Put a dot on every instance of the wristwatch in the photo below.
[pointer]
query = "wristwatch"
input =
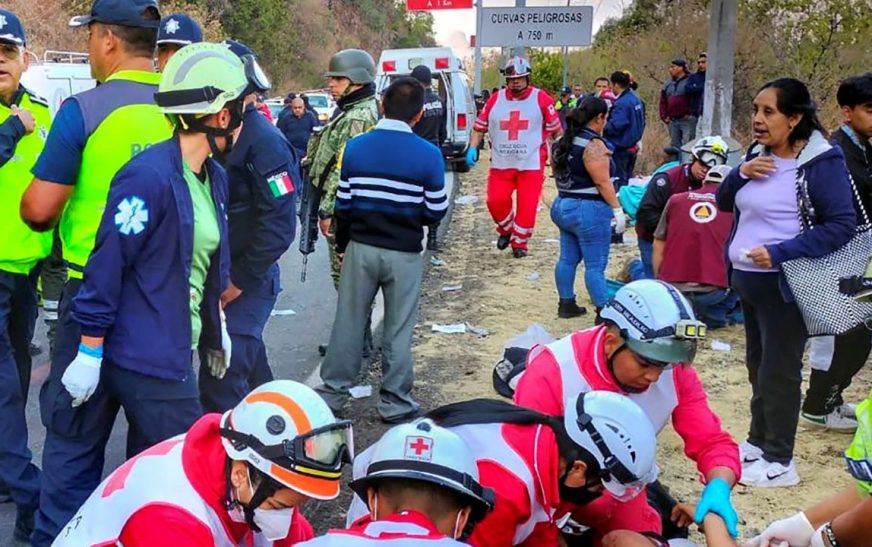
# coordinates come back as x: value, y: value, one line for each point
x: 831, y: 536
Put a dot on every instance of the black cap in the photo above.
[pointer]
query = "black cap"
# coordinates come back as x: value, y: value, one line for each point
x: 238, y: 48
x: 11, y: 31
x: 422, y: 74
x: 128, y: 13
x: 566, y: 90
x: 680, y: 62
x: 179, y: 28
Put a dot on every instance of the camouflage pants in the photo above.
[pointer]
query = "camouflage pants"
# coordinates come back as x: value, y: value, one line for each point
x: 335, y: 267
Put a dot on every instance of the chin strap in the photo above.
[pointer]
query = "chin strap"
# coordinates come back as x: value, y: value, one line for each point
x: 264, y: 491
x: 610, y: 363
x: 197, y: 124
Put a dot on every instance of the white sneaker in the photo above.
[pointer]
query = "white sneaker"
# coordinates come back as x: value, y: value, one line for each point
x: 849, y: 410
x: 749, y: 453
x: 764, y: 474
x: 834, y: 421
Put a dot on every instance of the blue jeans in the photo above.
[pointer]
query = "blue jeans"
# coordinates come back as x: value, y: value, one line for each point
x: 646, y: 250
x: 716, y: 309
x: 585, y: 234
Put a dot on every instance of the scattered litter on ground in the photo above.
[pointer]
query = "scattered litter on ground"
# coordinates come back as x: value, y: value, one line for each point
x: 452, y: 288
x: 481, y: 331
x: 460, y: 328
x: 282, y: 312
x: 717, y: 345
x: 456, y: 328
x: 360, y: 392
x: 534, y: 276
x: 436, y: 261
x: 465, y: 200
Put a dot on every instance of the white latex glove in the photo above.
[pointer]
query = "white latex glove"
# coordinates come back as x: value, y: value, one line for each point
x: 817, y: 539
x: 620, y: 220
x: 82, y: 376
x: 795, y: 531
x: 218, y: 361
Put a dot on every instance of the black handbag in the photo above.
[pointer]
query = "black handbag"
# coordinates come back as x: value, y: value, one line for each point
x: 815, y: 281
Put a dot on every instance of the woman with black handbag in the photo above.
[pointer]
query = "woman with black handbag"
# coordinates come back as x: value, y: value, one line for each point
x: 790, y: 159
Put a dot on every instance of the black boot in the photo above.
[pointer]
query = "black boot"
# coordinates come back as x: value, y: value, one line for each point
x: 519, y: 253
x: 567, y: 308
x: 432, y: 242
x: 503, y: 241
x: 24, y: 524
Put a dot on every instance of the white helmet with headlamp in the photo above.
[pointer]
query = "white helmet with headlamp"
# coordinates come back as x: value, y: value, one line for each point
x: 711, y: 151
x: 656, y: 321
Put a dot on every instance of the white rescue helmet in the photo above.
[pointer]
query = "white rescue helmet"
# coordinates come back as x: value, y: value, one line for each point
x: 711, y: 151
x: 618, y: 433
x: 287, y: 431
x: 424, y: 451
x: 517, y: 67
x: 717, y: 174
x: 656, y: 322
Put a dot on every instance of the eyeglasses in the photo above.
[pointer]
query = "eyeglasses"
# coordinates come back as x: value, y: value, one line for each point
x: 10, y: 51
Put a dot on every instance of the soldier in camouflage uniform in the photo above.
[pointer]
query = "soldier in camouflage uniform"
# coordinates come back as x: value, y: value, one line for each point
x: 352, y: 84
x: 352, y: 76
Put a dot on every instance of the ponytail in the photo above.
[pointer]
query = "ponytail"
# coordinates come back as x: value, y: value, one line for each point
x: 576, y: 121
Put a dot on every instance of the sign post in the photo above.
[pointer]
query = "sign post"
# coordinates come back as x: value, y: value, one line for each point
x: 476, y: 89
x: 536, y: 26
x: 426, y: 5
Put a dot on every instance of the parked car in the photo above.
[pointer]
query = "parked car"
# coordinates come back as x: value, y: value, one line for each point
x: 323, y: 104
x: 450, y: 82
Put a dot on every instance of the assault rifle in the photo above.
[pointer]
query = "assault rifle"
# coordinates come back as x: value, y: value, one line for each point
x: 310, y: 201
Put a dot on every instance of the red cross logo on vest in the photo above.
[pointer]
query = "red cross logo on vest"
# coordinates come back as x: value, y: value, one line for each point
x: 419, y: 448
x: 514, y: 125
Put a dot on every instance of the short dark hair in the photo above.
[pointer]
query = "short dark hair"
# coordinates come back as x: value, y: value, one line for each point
x: 792, y: 98
x: 138, y: 41
x: 621, y: 78
x: 702, y: 55
x: 855, y: 91
x: 601, y: 79
x: 437, y: 502
x: 403, y: 99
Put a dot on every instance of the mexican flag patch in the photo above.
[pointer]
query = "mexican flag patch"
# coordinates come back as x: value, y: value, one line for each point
x: 280, y: 184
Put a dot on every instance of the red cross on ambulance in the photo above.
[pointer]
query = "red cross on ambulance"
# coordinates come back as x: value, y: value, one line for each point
x: 419, y: 448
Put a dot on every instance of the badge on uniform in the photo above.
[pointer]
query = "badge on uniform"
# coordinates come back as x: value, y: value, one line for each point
x: 418, y: 448
x: 280, y: 184
x: 132, y: 216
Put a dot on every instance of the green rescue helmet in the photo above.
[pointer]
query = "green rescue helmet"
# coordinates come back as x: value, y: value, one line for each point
x: 201, y: 79
x: 354, y: 64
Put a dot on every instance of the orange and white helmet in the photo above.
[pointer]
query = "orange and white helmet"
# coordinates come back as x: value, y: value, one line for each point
x: 286, y: 431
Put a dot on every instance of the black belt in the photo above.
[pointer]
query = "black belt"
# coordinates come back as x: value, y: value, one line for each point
x: 589, y: 197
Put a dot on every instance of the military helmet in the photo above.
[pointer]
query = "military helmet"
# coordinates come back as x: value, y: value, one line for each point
x: 354, y: 64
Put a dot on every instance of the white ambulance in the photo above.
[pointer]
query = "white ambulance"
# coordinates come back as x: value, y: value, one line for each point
x: 58, y: 75
x: 450, y: 82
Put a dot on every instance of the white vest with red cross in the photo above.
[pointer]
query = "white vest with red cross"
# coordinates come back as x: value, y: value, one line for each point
x: 398, y: 530
x: 154, y: 477
x: 515, y: 129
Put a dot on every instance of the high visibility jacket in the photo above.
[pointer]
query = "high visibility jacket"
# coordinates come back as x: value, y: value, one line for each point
x: 21, y: 247
x: 121, y: 120
x: 171, y: 494
x: 859, y: 453
x: 577, y: 364
x: 405, y: 529
x: 519, y: 463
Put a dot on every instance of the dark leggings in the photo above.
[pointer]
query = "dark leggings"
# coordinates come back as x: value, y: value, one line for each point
x: 825, y: 387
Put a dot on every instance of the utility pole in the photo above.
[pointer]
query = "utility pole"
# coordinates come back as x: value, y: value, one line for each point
x: 566, y: 57
x: 520, y: 50
x: 479, y: 16
x: 718, y: 107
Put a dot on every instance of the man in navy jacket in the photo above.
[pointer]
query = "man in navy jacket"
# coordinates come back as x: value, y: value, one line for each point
x: 625, y: 125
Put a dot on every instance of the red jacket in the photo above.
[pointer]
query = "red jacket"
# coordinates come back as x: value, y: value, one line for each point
x: 203, y: 459
x: 696, y: 236
x: 678, y: 395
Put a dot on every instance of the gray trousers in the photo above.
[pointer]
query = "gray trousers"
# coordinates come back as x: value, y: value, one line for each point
x: 682, y: 131
x: 365, y: 270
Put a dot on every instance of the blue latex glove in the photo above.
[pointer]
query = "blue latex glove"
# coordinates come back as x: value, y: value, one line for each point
x: 471, y: 156
x: 716, y: 499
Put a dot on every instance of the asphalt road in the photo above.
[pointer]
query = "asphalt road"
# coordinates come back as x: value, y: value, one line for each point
x: 301, y: 321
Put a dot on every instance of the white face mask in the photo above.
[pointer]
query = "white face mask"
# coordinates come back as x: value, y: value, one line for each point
x: 457, y: 530
x: 274, y: 524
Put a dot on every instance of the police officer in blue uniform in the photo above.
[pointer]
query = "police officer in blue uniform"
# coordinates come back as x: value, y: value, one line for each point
x: 264, y: 173
x: 177, y: 30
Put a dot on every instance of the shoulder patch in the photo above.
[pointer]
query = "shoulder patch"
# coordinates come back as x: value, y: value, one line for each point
x: 131, y: 216
x: 34, y: 98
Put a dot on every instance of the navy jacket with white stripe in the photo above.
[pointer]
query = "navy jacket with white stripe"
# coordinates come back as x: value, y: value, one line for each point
x: 392, y: 184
